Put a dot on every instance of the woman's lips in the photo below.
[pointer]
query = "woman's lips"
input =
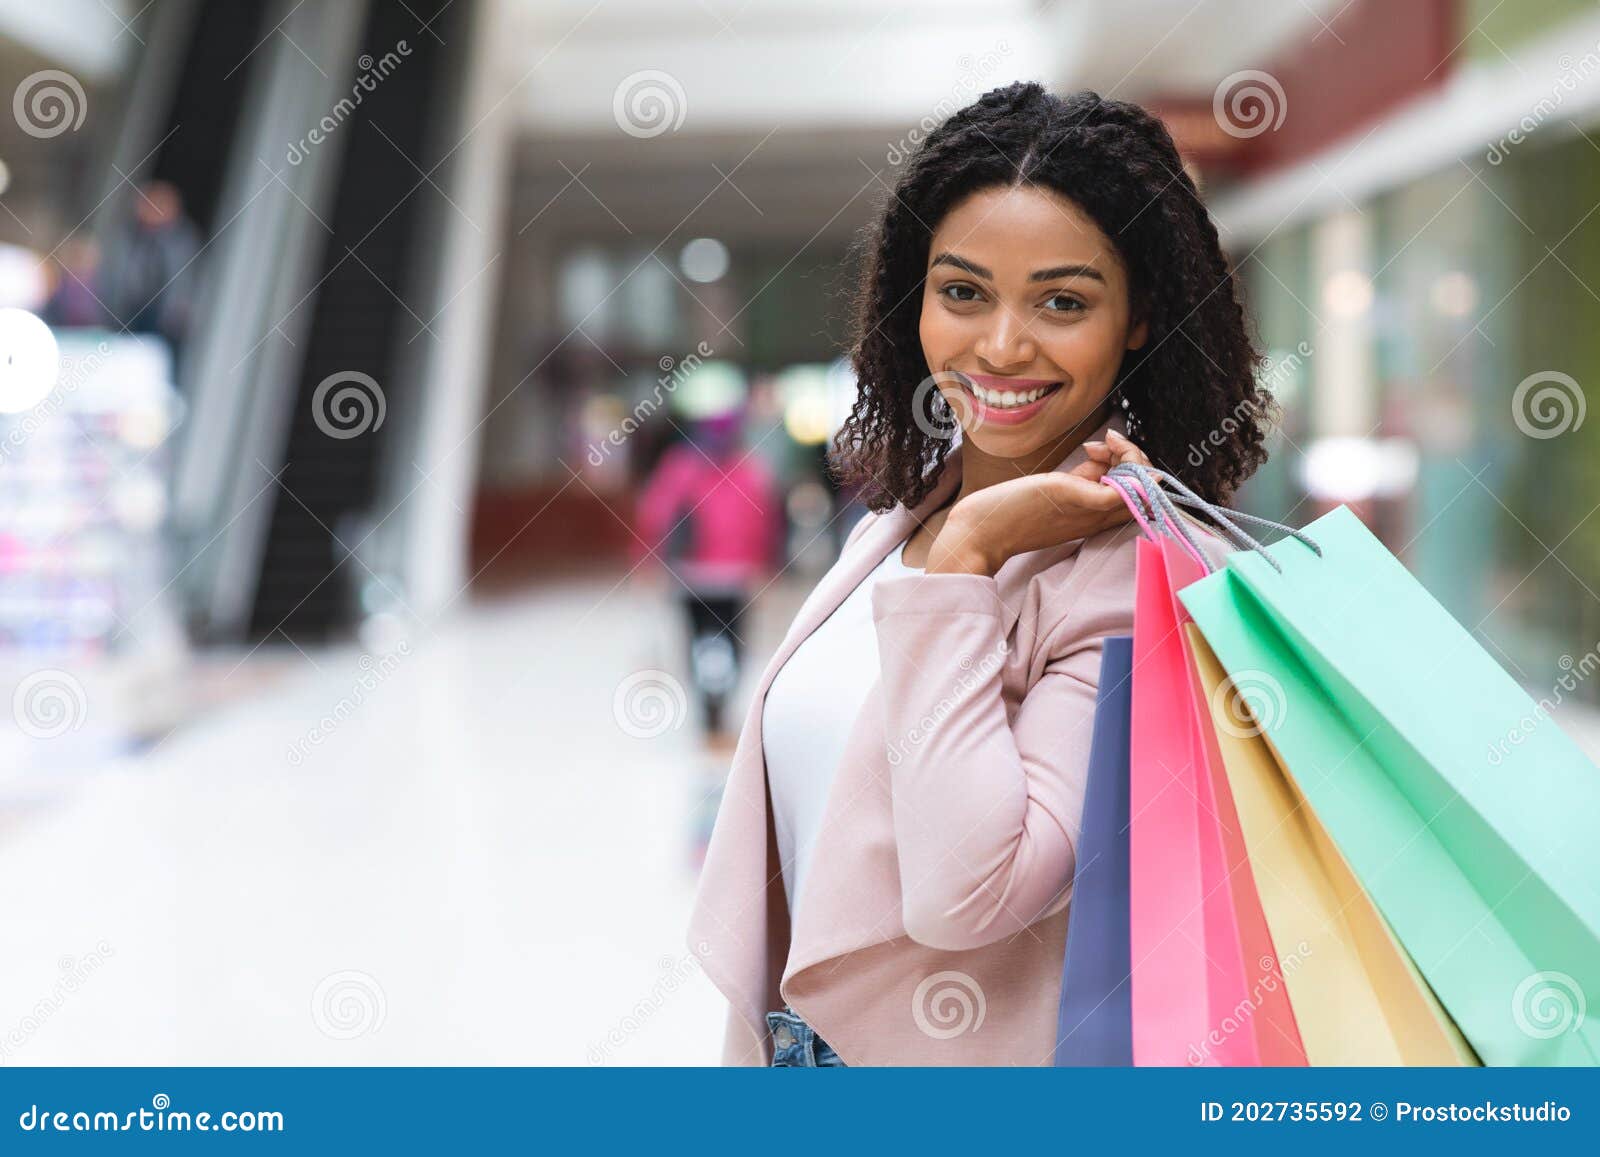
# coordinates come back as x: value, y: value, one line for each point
x: 986, y: 413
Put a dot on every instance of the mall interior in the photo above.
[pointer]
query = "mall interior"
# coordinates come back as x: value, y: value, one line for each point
x: 355, y: 348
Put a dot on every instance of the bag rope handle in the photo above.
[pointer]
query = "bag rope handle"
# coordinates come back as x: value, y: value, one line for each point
x: 1160, y: 511
x: 1150, y: 479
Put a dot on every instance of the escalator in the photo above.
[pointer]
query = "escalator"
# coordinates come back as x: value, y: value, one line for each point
x: 363, y: 333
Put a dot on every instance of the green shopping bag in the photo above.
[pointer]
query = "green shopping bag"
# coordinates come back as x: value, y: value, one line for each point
x: 1474, y: 832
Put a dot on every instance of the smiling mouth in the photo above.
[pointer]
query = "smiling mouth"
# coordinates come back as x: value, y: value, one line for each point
x: 1007, y: 398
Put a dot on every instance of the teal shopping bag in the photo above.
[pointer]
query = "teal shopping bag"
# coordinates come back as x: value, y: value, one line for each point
x: 1468, y: 816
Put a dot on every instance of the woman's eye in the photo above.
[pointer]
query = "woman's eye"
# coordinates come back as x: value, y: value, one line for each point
x: 1069, y: 304
x: 950, y: 290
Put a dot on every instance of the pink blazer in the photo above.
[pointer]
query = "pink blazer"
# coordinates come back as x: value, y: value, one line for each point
x: 933, y: 923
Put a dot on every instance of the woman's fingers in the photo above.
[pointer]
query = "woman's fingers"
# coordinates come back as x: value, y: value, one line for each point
x: 1125, y: 450
x: 1092, y: 470
x: 1087, y: 494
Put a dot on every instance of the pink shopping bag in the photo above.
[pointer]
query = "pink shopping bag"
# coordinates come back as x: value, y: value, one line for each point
x: 1207, y: 984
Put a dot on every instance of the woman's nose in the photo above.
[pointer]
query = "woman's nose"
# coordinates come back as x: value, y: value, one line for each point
x: 1007, y: 343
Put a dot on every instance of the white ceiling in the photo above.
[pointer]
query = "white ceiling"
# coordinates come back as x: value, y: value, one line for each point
x: 791, y: 109
x: 88, y: 38
x: 743, y: 64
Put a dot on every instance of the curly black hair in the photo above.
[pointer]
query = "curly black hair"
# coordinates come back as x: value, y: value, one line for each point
x: 1194, y: 381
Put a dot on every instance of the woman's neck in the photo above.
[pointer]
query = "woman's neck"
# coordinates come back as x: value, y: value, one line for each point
x: 979, y: 469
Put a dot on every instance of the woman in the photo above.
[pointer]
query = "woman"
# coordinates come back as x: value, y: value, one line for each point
x: 726, y: 500
x: 888, y: 878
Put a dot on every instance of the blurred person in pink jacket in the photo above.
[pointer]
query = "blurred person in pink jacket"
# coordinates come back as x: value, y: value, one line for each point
x: 710, y: 511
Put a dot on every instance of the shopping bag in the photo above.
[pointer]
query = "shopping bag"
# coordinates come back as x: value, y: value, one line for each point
x: 1096, y: 1026
x: 1468, y: 819
x: 1207, y: 985
x: 1357, y: 997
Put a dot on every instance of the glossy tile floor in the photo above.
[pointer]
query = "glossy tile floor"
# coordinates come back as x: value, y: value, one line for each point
x: 474, y: 853
x: 459, y: 857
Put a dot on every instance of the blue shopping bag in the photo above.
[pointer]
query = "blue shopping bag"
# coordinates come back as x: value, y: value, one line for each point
x: 1095, y: 1024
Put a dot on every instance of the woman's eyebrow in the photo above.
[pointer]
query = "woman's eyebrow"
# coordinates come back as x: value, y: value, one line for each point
x: 971, y: 267
x: 1061, y: 271
x: 1052, y: 274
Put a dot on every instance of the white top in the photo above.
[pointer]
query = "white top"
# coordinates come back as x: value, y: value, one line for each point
x: 809, y: 710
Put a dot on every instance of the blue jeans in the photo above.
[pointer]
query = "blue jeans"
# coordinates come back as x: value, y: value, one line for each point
x: 795, y: 1045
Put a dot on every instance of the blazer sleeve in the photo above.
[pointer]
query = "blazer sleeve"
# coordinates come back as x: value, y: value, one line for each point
x: 987, y: 809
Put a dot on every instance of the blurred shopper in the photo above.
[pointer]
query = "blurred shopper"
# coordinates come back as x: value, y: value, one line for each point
x: 712, y: 512
x: 896, y: 839
x: 150, y: 273
x: 76, y: 298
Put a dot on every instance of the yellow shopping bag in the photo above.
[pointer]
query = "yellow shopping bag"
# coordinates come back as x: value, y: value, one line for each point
x: 1357, y: 996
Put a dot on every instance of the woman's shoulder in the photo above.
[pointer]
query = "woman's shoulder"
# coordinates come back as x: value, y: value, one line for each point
x: 1088, y: 592
x: 1104, y: 559
x: 860, y: 528
x: 1092, y: 591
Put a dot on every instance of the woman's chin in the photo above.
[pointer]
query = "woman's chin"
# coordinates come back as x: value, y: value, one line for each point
x: 1017, y: 441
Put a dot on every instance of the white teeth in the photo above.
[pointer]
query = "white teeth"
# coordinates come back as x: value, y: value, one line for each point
x: 1008, y: 399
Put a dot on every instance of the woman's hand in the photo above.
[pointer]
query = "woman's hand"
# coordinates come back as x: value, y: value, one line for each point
x: 1032, y: 513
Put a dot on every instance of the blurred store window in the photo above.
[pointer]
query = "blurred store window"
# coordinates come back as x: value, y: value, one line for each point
x: 91, y: 637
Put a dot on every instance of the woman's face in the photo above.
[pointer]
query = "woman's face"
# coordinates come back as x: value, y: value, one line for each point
x: 1024, y: 296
